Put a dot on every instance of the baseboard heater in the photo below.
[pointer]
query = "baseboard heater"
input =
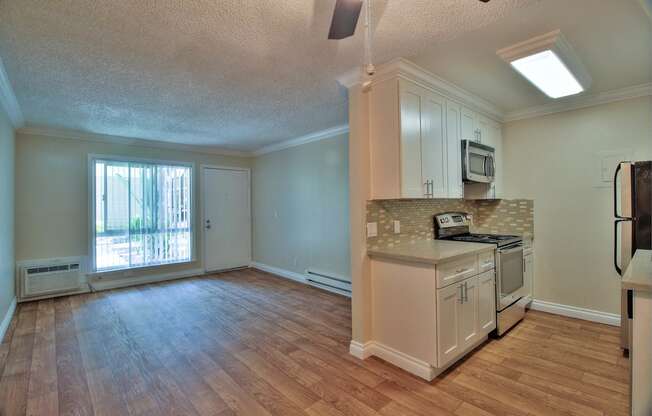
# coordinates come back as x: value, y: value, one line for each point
x: 328, y: 281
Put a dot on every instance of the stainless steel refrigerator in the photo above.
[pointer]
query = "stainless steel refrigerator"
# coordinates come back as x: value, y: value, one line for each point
x: 632, y: 229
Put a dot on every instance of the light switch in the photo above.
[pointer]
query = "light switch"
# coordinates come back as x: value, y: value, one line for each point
x: 397, y: 227
x: 372, y: 229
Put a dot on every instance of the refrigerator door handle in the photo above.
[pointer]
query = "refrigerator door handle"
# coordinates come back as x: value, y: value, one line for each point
x: 618, y: 221
x: 616, y: 214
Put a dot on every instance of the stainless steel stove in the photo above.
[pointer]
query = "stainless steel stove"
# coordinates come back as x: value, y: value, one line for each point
x: 510, y: 284
x: 499, y: 240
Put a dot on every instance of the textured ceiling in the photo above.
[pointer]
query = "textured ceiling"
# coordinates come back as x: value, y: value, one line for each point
x: 238, y: 74
x: 613, y: 38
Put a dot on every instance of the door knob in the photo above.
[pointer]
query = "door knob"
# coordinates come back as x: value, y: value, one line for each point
x: 208, y: 224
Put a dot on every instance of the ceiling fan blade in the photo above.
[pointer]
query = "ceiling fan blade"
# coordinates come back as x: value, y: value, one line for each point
x: 345, y: 18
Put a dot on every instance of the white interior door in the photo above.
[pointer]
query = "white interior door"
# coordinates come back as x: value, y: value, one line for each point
x: 227, y: 219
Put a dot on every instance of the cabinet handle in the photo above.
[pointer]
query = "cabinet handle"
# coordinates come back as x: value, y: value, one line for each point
x: 466, y: 292
x: 461, y: 299
x: 460, y: 271
x: 430, y: 188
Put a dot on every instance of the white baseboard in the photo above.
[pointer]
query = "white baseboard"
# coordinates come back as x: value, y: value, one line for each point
x: 106, y: 283
x: 297, y: 277
x: 360, y: 350
x: 4, y: 325
x: 410, y: 364
x: 575, y: 312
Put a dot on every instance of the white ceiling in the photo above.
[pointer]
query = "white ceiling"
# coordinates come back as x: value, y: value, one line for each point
x: 241, y: 74
x: 613, y: 38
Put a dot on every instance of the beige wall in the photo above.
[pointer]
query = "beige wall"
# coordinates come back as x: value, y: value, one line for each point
x: 52, y: 193
x: 553, y: 160
x: 300, y: 207
x: 7, y: 262
x: 359, y: 193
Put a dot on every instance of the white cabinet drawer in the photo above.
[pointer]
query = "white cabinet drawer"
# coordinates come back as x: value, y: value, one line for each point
x: 486, y: 261
x: 456, y: 270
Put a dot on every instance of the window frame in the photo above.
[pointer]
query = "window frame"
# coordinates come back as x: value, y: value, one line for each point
x: 92, y: 158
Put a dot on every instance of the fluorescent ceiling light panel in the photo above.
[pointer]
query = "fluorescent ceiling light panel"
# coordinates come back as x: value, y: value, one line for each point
x: 550, y: 64
x: 548, y: 73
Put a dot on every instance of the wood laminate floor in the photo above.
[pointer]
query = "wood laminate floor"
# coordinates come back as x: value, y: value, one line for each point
x: 249, y: 343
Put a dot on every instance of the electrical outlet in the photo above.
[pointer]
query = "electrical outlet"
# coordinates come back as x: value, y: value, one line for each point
x: 397, y: 227
x: 372, y: 229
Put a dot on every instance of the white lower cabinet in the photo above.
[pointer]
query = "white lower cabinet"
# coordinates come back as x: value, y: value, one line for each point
x: 466, y: 312
x: 449, y: 301
x: 469, y: 316
x: 487, y: 301
x: 528, y: 273
x: 426, y: 317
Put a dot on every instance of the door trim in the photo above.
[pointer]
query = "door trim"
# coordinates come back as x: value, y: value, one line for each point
x: 203, y: 168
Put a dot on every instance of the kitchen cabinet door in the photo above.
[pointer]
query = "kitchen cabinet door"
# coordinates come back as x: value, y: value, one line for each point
x: 468, y: 317
x: 448, y: 313
x: 491, y: 135
x: 468, y: 126
x: 483, y: 129
x: 411, y: 102
x: 433, y: 144
x: 487, y: 301
x: 454, y: 149
x: 528, y: 273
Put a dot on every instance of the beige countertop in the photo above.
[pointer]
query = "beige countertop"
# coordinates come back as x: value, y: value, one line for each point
x: 638, y: 275
x: 430, y: 251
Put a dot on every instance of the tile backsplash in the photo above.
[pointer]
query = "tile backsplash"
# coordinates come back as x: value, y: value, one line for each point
x: 504, y: 216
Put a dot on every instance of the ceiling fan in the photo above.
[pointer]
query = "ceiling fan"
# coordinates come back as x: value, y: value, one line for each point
x: 345, y: 19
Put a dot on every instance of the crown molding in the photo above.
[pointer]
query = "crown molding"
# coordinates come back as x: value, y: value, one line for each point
x: 351, y: 78
x: 410, y: 71
x: 583, y: 101
x: 128, y: 141
x: 308, y: 138
x: 8, y: 99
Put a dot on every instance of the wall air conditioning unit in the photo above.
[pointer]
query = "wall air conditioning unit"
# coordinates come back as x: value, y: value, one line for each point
x: 38, y: 279
x: 329, y: 281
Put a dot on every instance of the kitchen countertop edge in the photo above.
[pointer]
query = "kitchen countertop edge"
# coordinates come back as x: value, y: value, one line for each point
x: 399, y: 252
x: 638, y: 275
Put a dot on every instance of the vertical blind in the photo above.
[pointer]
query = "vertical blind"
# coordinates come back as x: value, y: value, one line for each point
x: 142, y: 214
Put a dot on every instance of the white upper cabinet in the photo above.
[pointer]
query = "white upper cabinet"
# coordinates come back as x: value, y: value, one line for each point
x: 489, y: 133
x: 454, y: 149
x: 411, y: 102
x: 408, y: 152
x: 469, y: 125
x: 415, y: 142
x: 434, y: 169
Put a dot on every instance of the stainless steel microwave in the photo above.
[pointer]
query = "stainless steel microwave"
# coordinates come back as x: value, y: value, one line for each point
x: 478, y: 162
